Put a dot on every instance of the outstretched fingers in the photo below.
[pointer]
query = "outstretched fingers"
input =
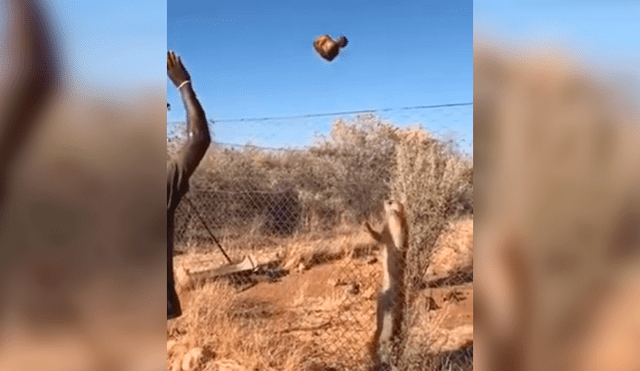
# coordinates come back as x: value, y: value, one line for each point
x: 173, y: 60
x: 176, y: 70
x: 179, y: 62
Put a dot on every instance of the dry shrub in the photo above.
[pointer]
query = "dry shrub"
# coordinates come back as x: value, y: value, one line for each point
x: 338, y: 180
x: 321, y: 187
x: 225, y: 169
x: 359, y: 159
x: 428, y: 176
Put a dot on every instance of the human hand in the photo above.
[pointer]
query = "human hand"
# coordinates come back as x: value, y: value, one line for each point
x: 175, y: 69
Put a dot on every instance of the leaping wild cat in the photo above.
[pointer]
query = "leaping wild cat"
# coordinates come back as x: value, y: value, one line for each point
x: 394, y: 235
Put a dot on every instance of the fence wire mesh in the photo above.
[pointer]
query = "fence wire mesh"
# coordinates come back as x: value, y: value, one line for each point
x: 303, y: 288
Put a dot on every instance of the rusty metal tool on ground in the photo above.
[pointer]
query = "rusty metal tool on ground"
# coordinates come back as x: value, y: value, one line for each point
x: 247, y: 264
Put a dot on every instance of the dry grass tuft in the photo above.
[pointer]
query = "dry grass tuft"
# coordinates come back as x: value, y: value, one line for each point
x: 237, y: 330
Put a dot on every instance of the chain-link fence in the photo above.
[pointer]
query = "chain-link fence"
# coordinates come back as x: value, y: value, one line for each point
x: 301, y: 291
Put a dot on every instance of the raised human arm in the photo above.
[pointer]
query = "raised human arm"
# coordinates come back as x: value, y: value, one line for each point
x: 198, y: 137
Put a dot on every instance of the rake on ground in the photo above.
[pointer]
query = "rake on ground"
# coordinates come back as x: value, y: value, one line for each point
x: 245, y: 264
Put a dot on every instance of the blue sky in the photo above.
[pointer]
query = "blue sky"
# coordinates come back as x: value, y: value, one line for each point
x: 605, y: 32
x: 254, y: 59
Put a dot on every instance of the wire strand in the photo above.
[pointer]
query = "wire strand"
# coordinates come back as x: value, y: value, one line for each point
x: 345, y: 112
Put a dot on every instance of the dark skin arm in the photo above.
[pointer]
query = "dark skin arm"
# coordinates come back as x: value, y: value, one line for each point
x: 28, y: 80
x: 185, y: 163
x: 198, y: 138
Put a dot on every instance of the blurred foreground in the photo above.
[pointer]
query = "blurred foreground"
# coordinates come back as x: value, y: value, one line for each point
x: 82, y: 222
x: 557, y: 214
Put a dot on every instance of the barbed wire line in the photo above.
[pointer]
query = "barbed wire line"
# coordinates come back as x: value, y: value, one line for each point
x: 260, y: 147
x: 344, y: 113
x: 175, y: 124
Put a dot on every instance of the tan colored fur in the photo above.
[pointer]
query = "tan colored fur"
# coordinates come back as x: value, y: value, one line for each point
x: 394, y: 236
